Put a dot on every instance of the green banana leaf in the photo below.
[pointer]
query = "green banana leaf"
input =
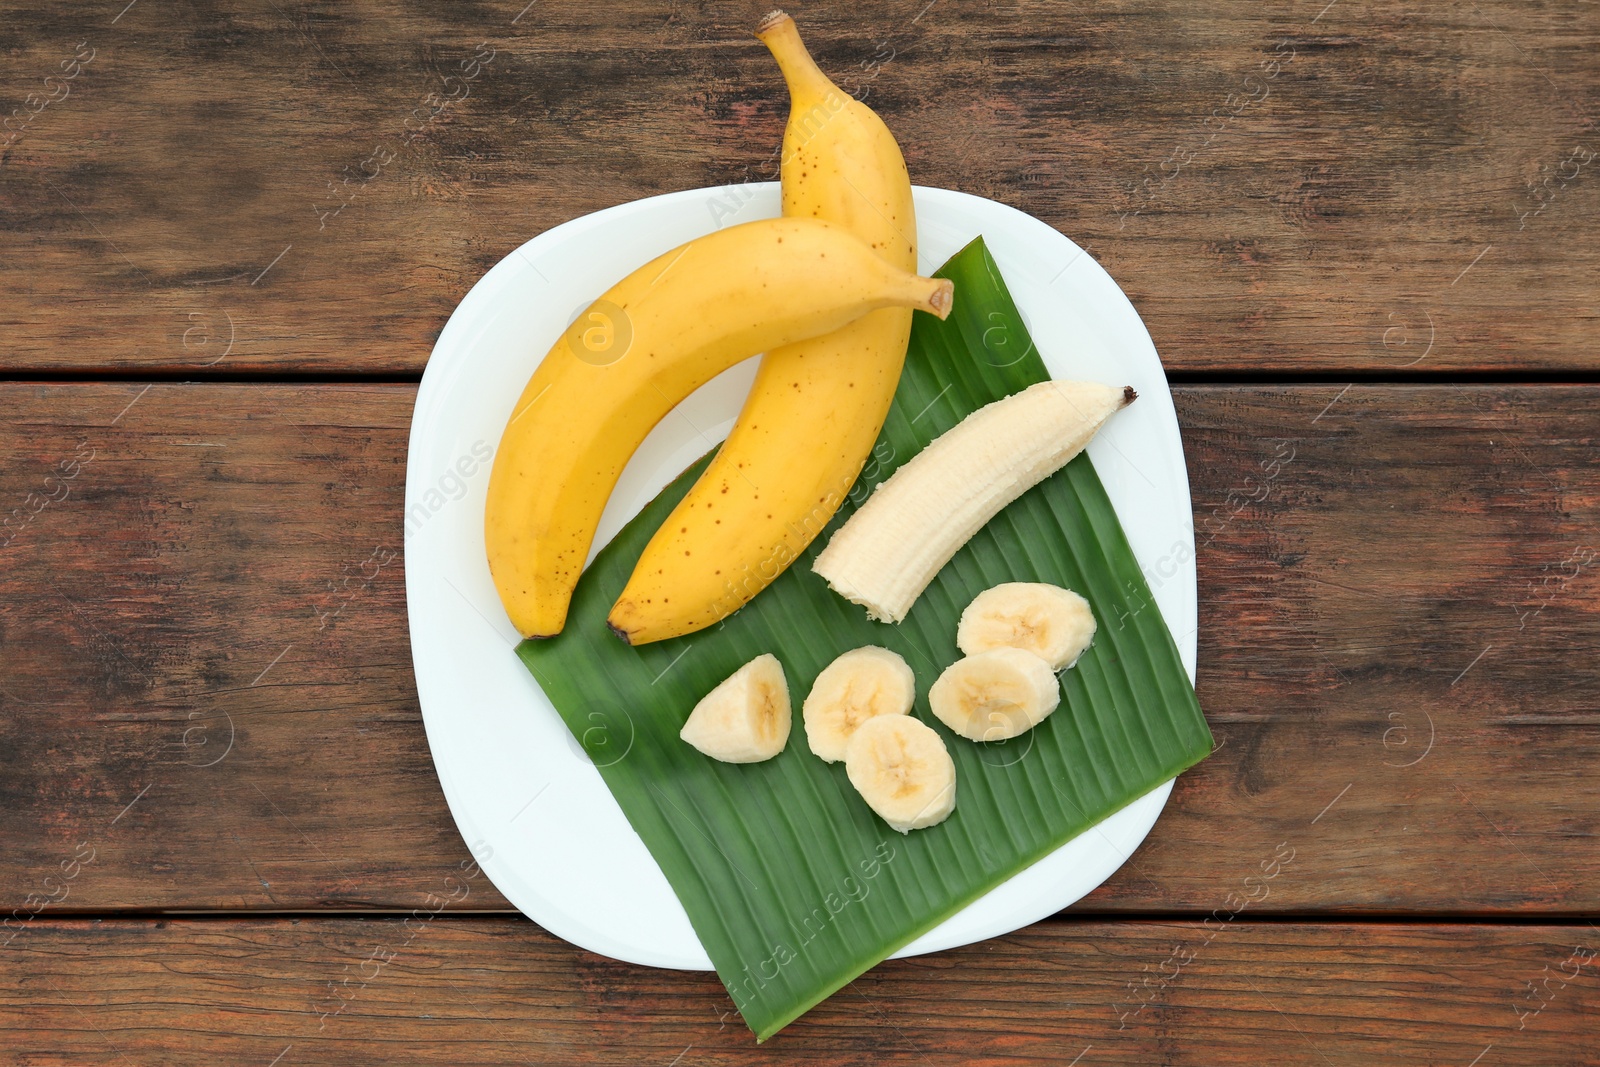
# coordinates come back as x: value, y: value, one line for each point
x: 791, y: 882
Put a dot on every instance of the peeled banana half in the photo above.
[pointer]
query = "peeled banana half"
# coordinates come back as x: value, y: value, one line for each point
x: 894, y: 545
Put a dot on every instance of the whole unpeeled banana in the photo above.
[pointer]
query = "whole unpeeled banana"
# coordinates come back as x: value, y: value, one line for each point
x: 648, y: 342
x: 816, y: 407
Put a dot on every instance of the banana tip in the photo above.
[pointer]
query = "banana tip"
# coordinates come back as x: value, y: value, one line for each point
x: 1129, y: 396
x: 619, y: 631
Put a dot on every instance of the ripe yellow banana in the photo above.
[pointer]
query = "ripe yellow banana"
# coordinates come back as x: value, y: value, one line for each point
x: 648, y: 342
x: 816, y: 407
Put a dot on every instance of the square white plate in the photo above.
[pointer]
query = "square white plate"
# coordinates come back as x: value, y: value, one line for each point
x: 523, y: 793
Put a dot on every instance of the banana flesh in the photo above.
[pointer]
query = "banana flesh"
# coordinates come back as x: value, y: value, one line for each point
x: 816, y: 406
x: 895, y: 544
x: 746, y: 718
x: 859, y: 685
x: 902, y: 770
x: 1053, y: 623
x: 648, y: 342
x: 995, y: 695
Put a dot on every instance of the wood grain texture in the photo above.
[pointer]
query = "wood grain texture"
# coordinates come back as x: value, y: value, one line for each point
x: 1288, y: 186
x: 1397, y: 653
x: 468, y: 992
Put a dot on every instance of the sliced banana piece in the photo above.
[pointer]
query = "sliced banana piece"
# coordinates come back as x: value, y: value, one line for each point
x: 995, y: 695
x: 860, y: 685
x: 746, y: 718
x: 902, y: 770
x: 1053, y: 623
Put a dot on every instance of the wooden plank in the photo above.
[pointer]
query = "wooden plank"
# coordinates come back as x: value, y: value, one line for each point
x: 1399, y: 616
x: 1281, y: 186
x: 465, y: 992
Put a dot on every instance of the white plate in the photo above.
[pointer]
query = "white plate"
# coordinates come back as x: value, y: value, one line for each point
x: 523, y: 793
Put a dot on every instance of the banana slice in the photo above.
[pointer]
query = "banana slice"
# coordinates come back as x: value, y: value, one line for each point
x: 746, y: 718
x: 1053, y: 623
x: 859, y: 685
x: 995, y: 695
x: 902, y: 770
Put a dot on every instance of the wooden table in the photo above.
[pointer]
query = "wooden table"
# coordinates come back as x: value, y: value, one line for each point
x: 1361, y: 233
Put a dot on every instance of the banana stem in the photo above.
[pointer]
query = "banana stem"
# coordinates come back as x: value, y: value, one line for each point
x: 805, y: 79
x: 938, y: 295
